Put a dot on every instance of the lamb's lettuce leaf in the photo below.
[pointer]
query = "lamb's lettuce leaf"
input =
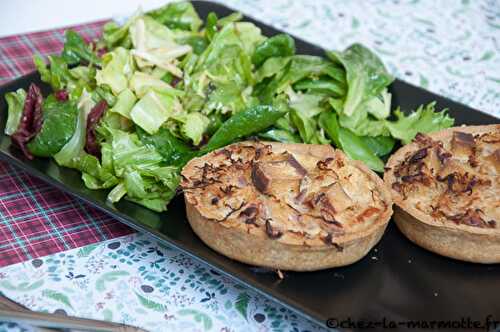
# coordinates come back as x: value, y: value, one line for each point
x: 252, y: 120
x: 365, y: 73
x: 211, y: 26
x: 271, y: 67
x: 281, y: 45
x: 300, y: 67
x: 59, y: 124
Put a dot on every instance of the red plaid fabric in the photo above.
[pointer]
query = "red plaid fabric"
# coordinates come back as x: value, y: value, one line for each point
x: 35, y: 218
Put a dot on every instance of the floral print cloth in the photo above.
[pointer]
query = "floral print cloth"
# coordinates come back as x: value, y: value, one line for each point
x: 449, y: 47
x: 134, y: 280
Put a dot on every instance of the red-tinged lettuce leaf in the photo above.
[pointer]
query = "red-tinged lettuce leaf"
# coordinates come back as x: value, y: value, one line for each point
x: 31, y: 120
x: 61, y: 95
x: 91, y: 145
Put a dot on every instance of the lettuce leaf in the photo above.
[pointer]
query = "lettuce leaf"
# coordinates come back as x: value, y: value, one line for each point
x: 95, y: 175
x: 75, y: 145
x: 303, y: 114
x: 83, y: 77
x: 127, y: 150
x: 271, y: 67
x: 118, y: 35
x: 15, y: 105
x: 56, y: 74
x: 177, y: 15
x: 76, y: 50
x: 104, y: 92
x: 231, y: 78
x: 379, y: 106
x: 366, y: 75
x: 223, y: 72
x: 154, y: 45
x: 118, y: 67
x: 124, y: 103
x: 146, y: 33
x: 244, y: 34
x: 295, y: 68
x: 152, y: 110
x: 174, y: 151
x: 194, y: 125
x: 142, y: 83
x: 144, y: 179
x: 368, y: 120
x: 424, y: 120
x: 365, y: 126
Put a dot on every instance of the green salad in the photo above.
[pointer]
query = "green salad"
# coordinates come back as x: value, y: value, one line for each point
x: 128, y: 111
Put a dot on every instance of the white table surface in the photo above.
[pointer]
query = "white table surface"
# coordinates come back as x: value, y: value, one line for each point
x: 21, y: 16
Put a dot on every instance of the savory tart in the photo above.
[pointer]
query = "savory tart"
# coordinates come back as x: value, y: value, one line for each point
x: 285, y: 206
x: 447, y: 189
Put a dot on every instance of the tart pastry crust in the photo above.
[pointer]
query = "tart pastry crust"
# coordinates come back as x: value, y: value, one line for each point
x: 446, y: 186
x: 285, y: 206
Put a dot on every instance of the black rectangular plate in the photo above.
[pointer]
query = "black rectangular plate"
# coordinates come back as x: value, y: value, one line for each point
x: 397, y: 280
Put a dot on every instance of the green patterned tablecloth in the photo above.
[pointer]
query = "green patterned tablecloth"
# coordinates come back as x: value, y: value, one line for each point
x: 449, y: 47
